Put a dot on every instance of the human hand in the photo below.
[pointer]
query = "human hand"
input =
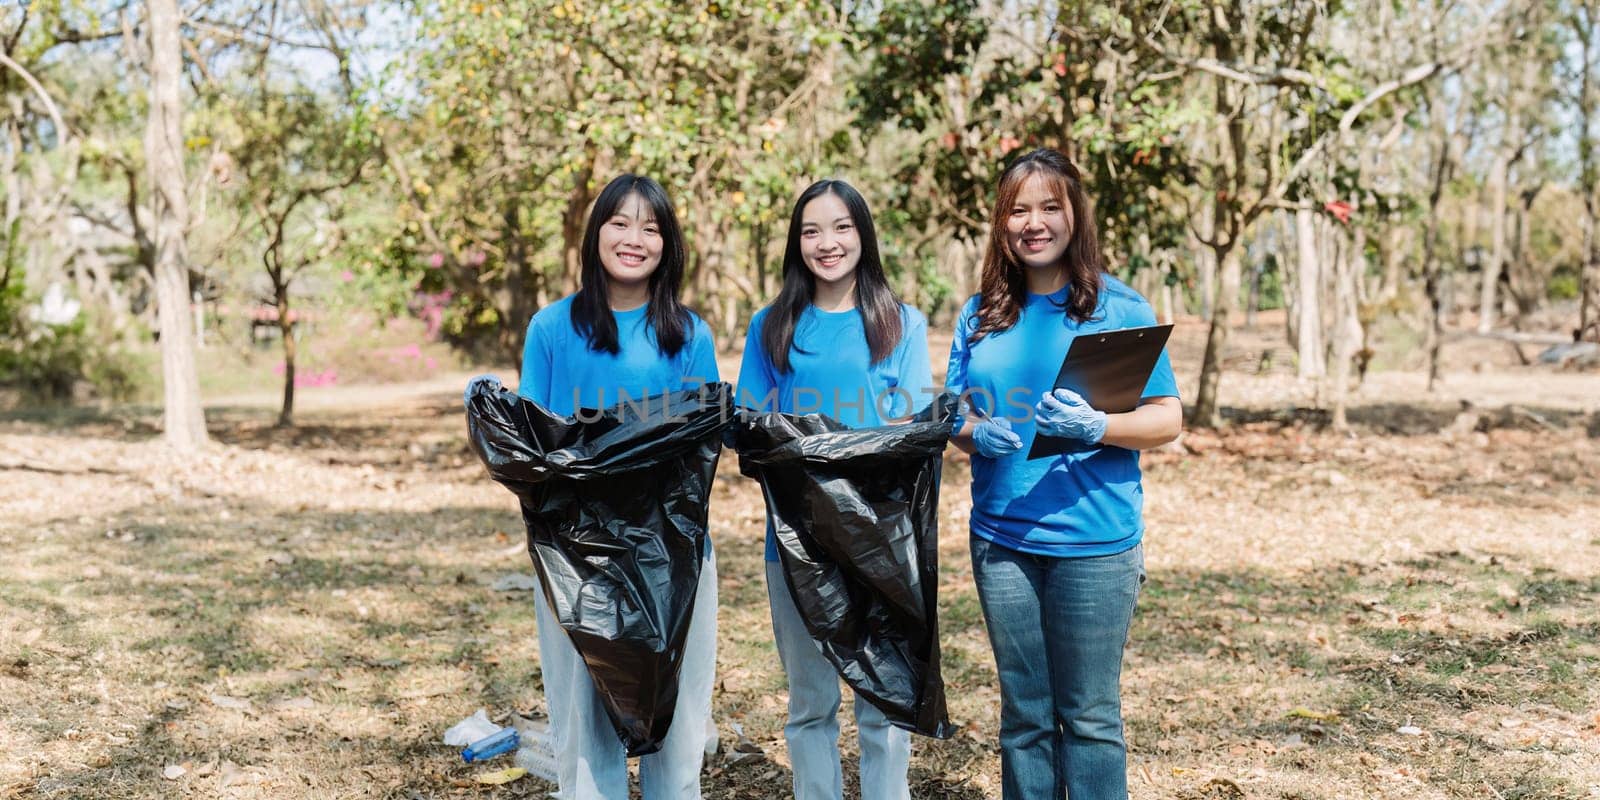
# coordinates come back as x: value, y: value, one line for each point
x: 994, y: 438
x: 1064, y: 414
x: 488, y: 383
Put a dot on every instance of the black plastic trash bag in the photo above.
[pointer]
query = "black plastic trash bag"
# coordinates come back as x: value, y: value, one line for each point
x: 615, y: 502
x: 856, y: 513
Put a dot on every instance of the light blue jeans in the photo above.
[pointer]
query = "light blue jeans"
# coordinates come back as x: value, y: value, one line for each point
x: 592, y: 763
x: 813, y: 729
x: 1058, y: 626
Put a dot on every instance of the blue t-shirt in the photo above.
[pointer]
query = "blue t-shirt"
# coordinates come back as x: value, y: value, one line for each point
x: 831, y: 373
x: 562, y: 373
x: 1076, y: 504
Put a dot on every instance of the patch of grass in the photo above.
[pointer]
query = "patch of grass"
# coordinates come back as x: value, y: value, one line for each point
x: 1239, y: 665
x: 1546, y: 590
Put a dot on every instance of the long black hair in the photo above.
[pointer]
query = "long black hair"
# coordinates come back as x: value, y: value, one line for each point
x: 880, y: 307
x: 591, y: 309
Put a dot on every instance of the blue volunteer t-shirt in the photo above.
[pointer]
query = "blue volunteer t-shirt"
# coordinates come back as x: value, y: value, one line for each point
x: 831, y: 373
x: 1073, y: 505
x: 562, y: 373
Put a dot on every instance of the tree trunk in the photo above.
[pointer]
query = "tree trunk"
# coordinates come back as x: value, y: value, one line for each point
x: 183, y: 418
x: 1589, y: 283
x: 1253, y: 298
x: 1499, y: 180
x: 1396, y: 242
x: 524, y: 285
x: 1346, y: 328
x: 1586, y: 26
x: 1522, y: 276
x: 1289, y: 279
x: 1308, y: 281
x: 1432, y: 267
x: 962, y: 268
x: 573, y: 219
x: 766, y: 276
x: 1471, y: 254
x: 280, y: 295
x: 1207, y: 408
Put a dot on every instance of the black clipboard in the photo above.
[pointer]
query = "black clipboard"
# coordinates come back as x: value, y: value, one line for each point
x: 1110, y: 369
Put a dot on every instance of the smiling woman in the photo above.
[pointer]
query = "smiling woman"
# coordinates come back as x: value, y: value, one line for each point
x: 630, y: 250
x: 623, y: 335
x: 1057, y: 553
x: 838, y: 335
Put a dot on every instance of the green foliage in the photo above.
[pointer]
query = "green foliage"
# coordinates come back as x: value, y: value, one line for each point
x: 978, y: 102
x: 1564, y: 284
x: 913, y: 47
x: 481, y: 139
x: 52, y: 363
x: 530, y: 106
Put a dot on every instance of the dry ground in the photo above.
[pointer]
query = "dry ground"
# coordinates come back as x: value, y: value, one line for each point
x: 1407, y: 611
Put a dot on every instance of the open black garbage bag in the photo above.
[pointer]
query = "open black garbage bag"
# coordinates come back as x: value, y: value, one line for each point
x: 856, y: 513
x: 616, y: 515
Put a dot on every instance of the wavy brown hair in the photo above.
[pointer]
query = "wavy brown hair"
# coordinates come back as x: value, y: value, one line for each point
x: 1003, y: 287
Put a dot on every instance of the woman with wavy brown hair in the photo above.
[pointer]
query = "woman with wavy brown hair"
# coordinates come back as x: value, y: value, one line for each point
x: 1056, y: 542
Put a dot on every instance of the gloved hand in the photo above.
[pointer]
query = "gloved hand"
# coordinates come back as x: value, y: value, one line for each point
x: 1064, y: 414
x: 994, y: 438
x: 486, y: 382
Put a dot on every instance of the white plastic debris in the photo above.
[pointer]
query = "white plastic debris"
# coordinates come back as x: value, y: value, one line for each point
x: 537, y: 754
x: 470, y: 729
x: 55, y: 308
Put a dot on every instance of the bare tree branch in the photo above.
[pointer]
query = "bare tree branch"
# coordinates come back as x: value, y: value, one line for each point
x: 63, y: 134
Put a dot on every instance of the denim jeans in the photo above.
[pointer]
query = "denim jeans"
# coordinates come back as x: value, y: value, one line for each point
x: 591, y: 763
x: 813, y: 729
x: 1058, y: 626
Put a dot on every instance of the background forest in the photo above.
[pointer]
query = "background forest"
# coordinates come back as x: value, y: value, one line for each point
x: 252, y: 250
x: 1389, y: 175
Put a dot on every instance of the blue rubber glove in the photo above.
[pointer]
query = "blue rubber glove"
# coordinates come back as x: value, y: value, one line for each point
x: 994, y: 438
x: 491, y: 382
x: 1064, y: 414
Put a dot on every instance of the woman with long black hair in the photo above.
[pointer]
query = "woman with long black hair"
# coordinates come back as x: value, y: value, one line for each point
x: 1057, y: 550
x: 835, y: 341
x: 622, y: 336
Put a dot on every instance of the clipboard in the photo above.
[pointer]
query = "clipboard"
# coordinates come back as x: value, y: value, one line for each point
x: 1110, y: 369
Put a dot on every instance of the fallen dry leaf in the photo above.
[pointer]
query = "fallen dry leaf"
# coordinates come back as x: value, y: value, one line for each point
x: 501, y: 776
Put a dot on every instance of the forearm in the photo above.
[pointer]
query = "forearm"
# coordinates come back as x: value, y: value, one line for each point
x: 1154, y: 423
x: 962, y: 439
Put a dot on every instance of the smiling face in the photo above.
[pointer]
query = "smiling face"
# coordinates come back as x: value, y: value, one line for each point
x: 1038, y: 225
x: 830, y: 244
x: 630, y: 244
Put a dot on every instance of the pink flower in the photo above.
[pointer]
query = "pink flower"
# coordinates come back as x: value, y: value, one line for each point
x: 436, y: 260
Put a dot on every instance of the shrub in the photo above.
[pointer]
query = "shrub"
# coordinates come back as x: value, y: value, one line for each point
x: 42, y: 362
